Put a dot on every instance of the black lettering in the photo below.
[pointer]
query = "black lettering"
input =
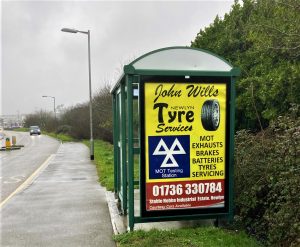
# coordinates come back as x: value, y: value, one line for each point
x: 190, y: 116
x: 159, y: 91
x: 201, y: 91
x: 160, y: 107
x: 172, y: 116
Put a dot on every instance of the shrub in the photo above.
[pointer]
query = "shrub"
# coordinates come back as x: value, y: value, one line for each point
x: 267, y: 180
x: 64, y: 129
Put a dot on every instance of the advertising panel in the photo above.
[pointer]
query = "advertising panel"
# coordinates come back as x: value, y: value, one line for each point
x: 184, y: 140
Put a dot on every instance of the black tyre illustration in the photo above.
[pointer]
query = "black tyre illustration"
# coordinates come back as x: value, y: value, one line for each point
x: 210, y: 115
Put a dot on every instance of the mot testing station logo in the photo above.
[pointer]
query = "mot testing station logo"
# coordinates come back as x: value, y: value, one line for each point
x: 169, y: 156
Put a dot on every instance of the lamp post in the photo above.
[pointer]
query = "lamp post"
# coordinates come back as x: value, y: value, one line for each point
x: 44, y: 96
x: 69, y: 30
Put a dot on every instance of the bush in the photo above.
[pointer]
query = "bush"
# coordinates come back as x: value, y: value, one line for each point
x: 45, y: 120
x: 75, y: 121
x: 64, y: 129
x: 267, y: 180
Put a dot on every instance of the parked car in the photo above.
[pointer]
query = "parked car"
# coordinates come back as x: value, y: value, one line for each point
x: 35, y: 130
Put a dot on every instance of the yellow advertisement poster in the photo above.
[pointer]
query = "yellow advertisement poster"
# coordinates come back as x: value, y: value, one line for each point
x: 185, y: 143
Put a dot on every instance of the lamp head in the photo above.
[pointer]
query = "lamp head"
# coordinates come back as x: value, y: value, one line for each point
x: 69, y: 30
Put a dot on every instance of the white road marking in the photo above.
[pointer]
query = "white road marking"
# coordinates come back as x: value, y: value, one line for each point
x: 27, y: 181
x: 14, y: 179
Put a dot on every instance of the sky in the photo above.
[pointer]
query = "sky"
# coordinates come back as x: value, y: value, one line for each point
x: 38, y: 59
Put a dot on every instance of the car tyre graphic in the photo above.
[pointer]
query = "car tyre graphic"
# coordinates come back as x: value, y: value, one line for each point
x: 210, y: 115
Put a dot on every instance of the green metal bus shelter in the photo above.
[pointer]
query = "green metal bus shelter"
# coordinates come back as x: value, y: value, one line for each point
x: 173, y: 118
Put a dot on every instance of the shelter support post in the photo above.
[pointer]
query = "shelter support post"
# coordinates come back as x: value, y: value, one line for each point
x: 123, y: 150
x: 129, y: 81
x: 115, y: 140
x: 231, y: 147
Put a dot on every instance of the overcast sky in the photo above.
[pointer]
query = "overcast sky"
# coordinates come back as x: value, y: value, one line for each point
x: 38, y: 59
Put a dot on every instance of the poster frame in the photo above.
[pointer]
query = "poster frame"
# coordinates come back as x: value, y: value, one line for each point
x: 185, y: 212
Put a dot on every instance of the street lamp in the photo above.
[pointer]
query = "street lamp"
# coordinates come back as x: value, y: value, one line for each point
x: 69, y: 30
x: 44, y: 96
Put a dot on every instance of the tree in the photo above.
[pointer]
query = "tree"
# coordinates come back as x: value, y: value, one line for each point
x: 262, y: 38
x: 75, y: 121
x: 45, y: 120
x: 102, y: 112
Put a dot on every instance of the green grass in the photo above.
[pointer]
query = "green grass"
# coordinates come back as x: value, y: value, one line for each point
x: 62, y: 137
x: 21, y: 129
x: 191, y: 237
x: 104, y: 160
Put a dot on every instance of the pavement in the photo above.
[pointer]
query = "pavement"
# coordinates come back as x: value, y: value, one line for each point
x: 120, y: 222
x: 63, y: 206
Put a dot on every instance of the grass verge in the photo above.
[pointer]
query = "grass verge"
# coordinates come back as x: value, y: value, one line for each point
x: 104, y: 160
x: 21, y: 129
x: 191, y: 237
x: 62, y: 137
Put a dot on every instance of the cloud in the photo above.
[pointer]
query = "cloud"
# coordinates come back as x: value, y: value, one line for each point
x: 39, y: 59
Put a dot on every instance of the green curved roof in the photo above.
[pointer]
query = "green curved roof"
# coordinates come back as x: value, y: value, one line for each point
x: 179, y: 61
x: 181, y: 58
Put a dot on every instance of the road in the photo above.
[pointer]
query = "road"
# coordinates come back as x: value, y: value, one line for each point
x: 18, y: 165
x: 63, y: 206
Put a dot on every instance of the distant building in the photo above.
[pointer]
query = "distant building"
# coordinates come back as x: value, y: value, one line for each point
x: 12, y: 121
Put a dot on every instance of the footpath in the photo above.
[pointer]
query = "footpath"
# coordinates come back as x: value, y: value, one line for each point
x: 64, y: 206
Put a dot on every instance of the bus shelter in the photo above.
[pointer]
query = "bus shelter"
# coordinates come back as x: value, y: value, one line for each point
x: 173, y: 118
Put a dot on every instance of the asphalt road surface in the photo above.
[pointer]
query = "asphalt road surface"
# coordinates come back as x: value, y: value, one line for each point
x: 18, y: 165
x: 63, y: 206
